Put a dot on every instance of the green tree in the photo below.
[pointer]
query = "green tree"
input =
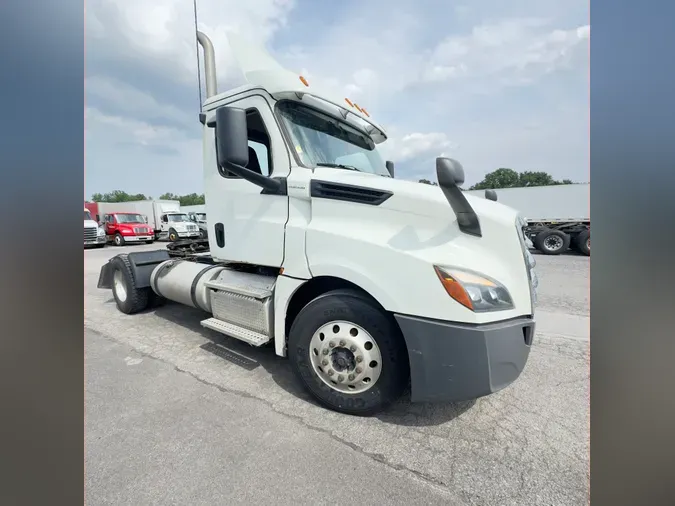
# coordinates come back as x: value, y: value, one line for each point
x: 500, y: 178
x: 191, y: 199
x: 117, y: 196
x: 509, y: 178
x: 529, y: 178
x: 426, y: 181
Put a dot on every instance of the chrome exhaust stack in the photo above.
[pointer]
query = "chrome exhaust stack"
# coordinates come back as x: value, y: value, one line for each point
x: 209, y: 64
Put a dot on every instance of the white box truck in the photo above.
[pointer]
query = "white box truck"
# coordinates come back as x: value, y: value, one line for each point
x: 364, y: 282
x: 556, y: 217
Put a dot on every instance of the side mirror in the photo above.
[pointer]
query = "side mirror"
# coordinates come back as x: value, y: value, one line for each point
x: 491, y: 195
x: 449, y: 172
x: 390, y: 167
x: 231, y: 137
x: 232, y: 148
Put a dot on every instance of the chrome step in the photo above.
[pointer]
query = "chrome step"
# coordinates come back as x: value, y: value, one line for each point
x: 248, y: 336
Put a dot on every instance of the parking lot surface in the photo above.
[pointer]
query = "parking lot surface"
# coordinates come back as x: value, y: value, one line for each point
x: 170, y: 422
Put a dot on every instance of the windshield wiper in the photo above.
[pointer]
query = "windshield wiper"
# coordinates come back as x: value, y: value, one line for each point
x: 338, y: 166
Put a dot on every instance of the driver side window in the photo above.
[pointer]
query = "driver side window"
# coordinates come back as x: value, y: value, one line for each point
x: 259, y: 146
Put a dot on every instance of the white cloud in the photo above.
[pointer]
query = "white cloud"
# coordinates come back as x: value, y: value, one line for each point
x: 517, y: 51
x: 416, y: 145
x: 430, y: 75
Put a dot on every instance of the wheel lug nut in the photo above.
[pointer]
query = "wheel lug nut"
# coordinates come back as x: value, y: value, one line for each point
x: 351, y: 377
x: 331, y: 372
x: 325, y: 351
x: 341, y: 379
x: 331, y: 344
x: 359, y: 359
x: 352, y: 348
x: 324, y: 362
x: 358, y: 370
x: 342, y: 343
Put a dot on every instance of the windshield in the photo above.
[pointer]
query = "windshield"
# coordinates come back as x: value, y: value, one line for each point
x: 200, y: 216
x: 322, y: 140
x: 87, y: 215
x: 177, y: 218
x: 130, y: 218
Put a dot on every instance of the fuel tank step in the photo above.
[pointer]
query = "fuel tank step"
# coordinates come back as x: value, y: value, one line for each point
x: 248, y: 336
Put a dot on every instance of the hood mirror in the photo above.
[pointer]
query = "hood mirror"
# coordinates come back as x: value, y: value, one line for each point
x: 491, y: 195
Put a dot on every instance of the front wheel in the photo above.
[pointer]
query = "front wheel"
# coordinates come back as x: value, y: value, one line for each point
x: 173, y: 235
x: 552, y: 242
x: 119, y: 240
x: 349, y: 353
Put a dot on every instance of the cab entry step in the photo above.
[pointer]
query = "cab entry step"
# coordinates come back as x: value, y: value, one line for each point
x: 248, y: 336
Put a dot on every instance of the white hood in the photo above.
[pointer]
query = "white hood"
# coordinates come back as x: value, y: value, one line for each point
x: 90, y: 224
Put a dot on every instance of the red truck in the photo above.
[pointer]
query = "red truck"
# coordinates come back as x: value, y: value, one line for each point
x: 122, y: 228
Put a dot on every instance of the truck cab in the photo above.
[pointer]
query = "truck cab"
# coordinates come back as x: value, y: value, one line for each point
x: 122, y: 228
x: 364, y: 282
x: 93, y: 234
x: 177, y: 225
x: 200, y: 219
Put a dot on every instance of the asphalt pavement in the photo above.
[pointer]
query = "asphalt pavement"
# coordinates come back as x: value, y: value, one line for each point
x: 170, y: 421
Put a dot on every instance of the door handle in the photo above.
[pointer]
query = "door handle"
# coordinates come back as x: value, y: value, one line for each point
x: 220, y: 235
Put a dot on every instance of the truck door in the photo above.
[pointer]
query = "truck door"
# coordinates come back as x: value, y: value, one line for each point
x: 109, y: 224
x: 246, y: 225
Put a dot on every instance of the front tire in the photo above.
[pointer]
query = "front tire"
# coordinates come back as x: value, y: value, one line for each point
x: 128, y: 297
x: 348, y: 353
x: 119, y: 240
x: 173, y: 235
x: 149, y: 242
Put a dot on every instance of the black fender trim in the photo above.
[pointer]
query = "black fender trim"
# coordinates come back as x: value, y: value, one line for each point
x: 143, y: 263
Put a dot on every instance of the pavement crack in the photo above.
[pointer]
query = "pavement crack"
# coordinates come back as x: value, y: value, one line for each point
x: 378, y: 457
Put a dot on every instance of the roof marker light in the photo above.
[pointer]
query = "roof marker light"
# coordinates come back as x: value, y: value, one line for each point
x: 349, y: 102
x: 304, y: 81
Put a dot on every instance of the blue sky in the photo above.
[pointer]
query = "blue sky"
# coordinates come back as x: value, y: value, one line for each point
x: 491, y: 83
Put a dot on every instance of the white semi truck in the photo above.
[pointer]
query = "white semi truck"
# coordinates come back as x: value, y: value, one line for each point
x: 197, y: 214
x: 364, y: 282
x: 94, y: 235
x: 558, y: 217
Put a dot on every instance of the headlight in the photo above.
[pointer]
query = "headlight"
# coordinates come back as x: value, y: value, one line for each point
x: 101, y: 231
x: 475, y: 291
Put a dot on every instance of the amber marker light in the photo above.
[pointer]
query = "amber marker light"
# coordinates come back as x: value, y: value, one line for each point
x: 454, y: 288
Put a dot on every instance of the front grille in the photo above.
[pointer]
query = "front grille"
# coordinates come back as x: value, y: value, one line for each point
x: 141, y: 230
x: 90, y: 234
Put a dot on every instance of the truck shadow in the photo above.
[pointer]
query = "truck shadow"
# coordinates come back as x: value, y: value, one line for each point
x: 403, y: 412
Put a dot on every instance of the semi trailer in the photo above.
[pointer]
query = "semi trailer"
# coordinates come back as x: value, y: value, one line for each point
x: 557, y: 217
x: 365, y: 283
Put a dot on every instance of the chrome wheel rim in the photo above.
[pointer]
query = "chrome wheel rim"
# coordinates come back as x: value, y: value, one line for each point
x: 345, y: 357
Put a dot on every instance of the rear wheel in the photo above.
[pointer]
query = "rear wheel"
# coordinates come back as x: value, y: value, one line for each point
x: 128, y: 297
x: 119, y: 240
x: 552, y: 242
x: 583, y: 242
x: 348, y: 353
